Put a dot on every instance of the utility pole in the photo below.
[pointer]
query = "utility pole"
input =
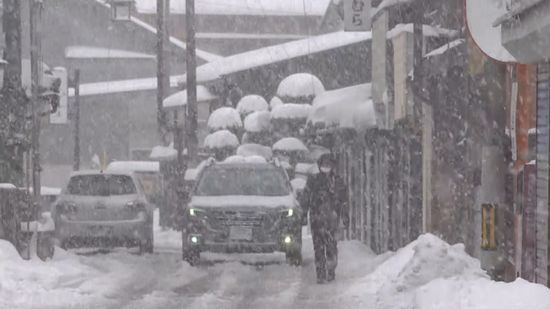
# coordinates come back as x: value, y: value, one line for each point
x: 13, y: 105
x: 76, y: 85
x: 163, y: 70
x: 191, y: 62
x: 36, y: 77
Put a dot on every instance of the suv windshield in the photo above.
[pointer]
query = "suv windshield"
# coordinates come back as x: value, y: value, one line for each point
x: 218, y: 181
x: 102, y: 185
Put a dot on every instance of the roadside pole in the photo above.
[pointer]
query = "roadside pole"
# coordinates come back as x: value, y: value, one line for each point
x: 191, y: 62
x: 163, y: 70
x: 36, y: 76
x: 76, y: 85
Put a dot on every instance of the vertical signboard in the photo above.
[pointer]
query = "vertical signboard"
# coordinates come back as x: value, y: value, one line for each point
x: 60, y: 116
x: 357, y: 15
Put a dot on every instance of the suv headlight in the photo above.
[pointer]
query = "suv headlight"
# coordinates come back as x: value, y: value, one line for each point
x: 288, y: 213
x: 195, y: 212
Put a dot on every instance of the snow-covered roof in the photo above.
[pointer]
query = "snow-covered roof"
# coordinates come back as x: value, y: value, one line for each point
x: 291, y: 111
x: 252, y: 103
x: 290, y: 144
x: 120, y: 86
x: 7, y: 186
x: 245, y: 159
x: 179, y: 99
x: 134, y: 166
x: 221, y: 139
x: 207, y: 56
x: 163, y: 153
x: 246, y: 150
x: 89, y: 52
x: 480, y: 16
x: 275, y: 101
x: 258, y: 122
x: 224, y: 118
x: 349, y: 107
x: 276, y: 53
x: 387, y: 4
x: 428, y: 31
x: 443, y: 49
x: 243, y: 7
x: 300, y: 85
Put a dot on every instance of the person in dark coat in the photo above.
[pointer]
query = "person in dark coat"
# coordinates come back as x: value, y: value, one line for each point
x: 325, y: 199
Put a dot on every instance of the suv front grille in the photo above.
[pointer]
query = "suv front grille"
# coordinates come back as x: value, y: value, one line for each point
x: 238, y: 218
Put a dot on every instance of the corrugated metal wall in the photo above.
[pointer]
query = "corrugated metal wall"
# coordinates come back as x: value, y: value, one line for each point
x: 543, y: 139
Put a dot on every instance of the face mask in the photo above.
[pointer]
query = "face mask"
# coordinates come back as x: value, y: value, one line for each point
x: 325, y: 169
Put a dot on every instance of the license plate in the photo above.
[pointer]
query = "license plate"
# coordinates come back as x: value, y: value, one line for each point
x: 240, y: 233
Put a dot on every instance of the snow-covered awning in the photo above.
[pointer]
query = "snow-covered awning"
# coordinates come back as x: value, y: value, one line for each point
x: 221, y: 139
x: 224, y: 118
x: 121, y: 86
x: 91, y: 52
x: 277, y: 53
x: 179, y: 99
x: 243, y: 7
x: 349, y: 107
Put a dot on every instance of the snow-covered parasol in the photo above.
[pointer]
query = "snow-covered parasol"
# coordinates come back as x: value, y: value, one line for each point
x: 225, y: 118
x: 300, y: 88
x: 251, y: 103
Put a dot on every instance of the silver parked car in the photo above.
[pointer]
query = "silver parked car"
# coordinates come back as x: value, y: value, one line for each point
x: 242, y: 208
x: 104, y: 208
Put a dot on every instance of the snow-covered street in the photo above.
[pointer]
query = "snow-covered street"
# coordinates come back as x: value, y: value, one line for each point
x: 426, y: 274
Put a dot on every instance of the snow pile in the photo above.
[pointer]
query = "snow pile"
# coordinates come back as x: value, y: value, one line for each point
x: 291, y: 111
x: 349, y: 107
x: 224, y: 118
x: 163, y: 153
x: 246, y: 150
x: 290, y: 144
x: 481, y: 293
x: 300, y: 85
x: 221, y: 139
x: 275, y: 101
x: 179, y: 99
x: 258, y: 122
x: 133, y: 166
x: 252, y: 103
x: 243, y: 159
x: 433, y: 274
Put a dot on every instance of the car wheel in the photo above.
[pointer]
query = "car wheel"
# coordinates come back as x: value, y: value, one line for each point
x: 191, y: 256
x: 294, y: 256
x: 147, y: 245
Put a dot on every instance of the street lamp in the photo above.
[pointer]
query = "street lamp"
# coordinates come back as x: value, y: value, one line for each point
x: 121, y: 9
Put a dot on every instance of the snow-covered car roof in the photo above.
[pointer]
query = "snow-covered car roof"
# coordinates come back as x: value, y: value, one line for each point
x: 134, y: 166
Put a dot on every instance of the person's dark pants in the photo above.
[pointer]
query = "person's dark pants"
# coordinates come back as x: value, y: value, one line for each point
x: 326, y: 253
